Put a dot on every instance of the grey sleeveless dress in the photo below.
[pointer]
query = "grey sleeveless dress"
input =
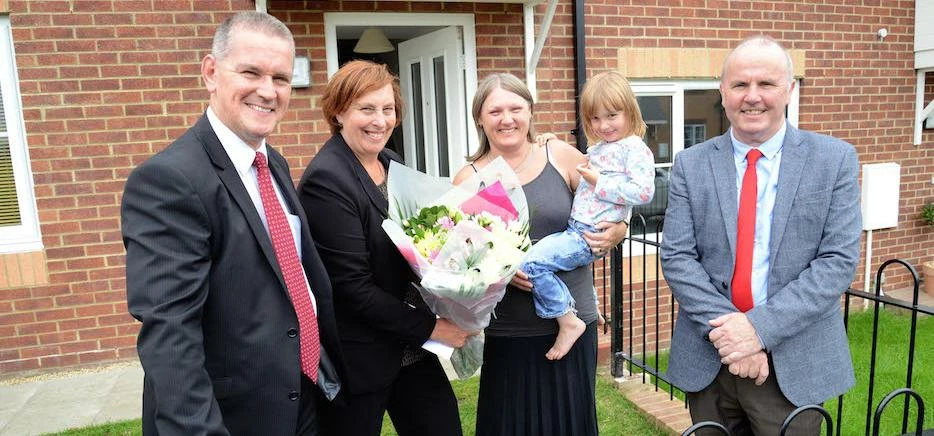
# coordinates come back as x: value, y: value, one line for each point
x: 521, y: 392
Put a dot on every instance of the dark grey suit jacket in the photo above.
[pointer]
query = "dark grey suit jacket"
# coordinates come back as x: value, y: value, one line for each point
x: 815, y: 233
x: 219, y: 341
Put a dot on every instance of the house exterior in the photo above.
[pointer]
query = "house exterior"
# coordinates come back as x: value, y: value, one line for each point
x: 92, y: 88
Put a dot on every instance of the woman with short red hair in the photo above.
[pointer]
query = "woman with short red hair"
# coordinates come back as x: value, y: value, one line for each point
x: 382, y: 320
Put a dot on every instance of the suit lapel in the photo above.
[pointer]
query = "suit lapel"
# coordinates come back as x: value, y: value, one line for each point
x: 282, y: 177
x: 724, y: 173
x: 366, y: 183
x: 789, y: 176
x: 231, y: 180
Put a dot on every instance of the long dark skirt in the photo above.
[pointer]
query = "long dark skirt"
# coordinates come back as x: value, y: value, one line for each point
x: 523, y: 393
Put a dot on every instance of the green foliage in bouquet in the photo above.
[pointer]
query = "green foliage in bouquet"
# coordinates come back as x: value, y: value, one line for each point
x: 428, y: 220
x: 468, y: 359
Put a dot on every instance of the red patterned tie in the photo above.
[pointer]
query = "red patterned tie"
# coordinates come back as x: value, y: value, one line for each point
x: 283, y: 243
x: 745, y: 235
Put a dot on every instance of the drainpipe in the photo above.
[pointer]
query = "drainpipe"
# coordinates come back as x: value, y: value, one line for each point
x: 580, y: 71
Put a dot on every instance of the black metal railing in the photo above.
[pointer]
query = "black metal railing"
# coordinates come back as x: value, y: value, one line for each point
x: 641, y: 314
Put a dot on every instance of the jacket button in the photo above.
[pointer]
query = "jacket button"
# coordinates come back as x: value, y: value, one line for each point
x: 293, y: 396
x: 723, y: 285
x: 292, y: 333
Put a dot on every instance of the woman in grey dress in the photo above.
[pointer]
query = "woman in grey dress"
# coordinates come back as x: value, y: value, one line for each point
x: 521, y: 391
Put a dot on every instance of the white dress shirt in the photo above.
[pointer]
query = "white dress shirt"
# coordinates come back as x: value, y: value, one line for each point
x: 242, y: 156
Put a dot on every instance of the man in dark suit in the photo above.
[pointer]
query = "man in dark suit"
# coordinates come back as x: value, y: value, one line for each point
x: 758, y: 259
x: 213, y: 249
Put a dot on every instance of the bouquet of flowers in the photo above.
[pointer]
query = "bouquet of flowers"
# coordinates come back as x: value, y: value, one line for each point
x: 465, y: 243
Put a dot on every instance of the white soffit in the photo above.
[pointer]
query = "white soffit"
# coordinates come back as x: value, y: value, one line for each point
x: 924, y: 62
x: 924, y: 34
x: 261, y: 5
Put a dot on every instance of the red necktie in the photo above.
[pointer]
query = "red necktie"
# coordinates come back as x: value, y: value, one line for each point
x: 284, y: 245
x: 745, y: 235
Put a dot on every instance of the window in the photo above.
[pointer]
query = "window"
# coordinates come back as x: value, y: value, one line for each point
x: 678, y: 115
x: 19, y: 224
x: 694, y: 133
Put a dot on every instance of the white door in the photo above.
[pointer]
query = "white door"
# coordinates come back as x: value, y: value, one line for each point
x: 431, y: 68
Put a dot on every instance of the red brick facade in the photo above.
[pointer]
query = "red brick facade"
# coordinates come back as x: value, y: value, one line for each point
x: 105, y: 84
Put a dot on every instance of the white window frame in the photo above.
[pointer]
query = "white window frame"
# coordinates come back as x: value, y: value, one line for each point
x: 26, y: 236
x: 675, y: 89
x: 695, y: 129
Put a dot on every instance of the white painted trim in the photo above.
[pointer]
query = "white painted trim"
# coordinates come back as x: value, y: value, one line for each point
x: 26, y: 236
x: 922, y: 111
x: 793, y: 104
x: 261, y: 6
x: 528, y: 37
x: 533, y: 52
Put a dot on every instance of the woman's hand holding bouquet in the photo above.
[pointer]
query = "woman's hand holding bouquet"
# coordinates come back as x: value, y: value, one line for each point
x: 465, y: 242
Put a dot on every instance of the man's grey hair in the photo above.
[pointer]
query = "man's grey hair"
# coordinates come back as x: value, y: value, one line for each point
x: 763, y: 41
x: 253, y: 20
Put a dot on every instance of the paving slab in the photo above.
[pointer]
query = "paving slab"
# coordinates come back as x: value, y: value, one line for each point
x: 70, y: 398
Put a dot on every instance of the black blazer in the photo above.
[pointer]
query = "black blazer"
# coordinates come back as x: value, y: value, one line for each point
x: 345, y: 211
x: 218, y: 341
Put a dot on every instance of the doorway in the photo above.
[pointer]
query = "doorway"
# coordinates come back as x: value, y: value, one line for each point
x: 436, y: 64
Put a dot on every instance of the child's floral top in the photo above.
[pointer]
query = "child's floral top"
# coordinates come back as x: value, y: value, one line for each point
x: 627, y: 178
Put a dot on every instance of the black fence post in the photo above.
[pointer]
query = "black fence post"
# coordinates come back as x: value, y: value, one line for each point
x: 909, y: 393
x: 705, y: 424
x: 791, y: 417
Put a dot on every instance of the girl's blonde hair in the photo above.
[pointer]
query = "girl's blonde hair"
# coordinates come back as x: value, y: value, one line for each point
x: 610, y: 90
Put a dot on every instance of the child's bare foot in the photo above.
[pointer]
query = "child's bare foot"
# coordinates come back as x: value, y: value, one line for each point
x: 570, y: 327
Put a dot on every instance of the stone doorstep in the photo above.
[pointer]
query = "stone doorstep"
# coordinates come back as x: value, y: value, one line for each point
x: 670, y: 414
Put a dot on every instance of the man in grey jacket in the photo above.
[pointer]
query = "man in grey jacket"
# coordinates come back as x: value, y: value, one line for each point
x: 758, y: 259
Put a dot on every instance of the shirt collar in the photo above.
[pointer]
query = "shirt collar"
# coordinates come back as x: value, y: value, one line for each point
x: 769, y: 148
x: 240, y: 153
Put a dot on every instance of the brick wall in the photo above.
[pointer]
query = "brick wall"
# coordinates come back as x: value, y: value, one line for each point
x: 105, y: 84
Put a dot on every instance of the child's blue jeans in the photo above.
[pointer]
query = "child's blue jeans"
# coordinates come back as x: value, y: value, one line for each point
x: 563, y: 251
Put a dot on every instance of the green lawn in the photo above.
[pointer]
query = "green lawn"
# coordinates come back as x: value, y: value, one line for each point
x: 891, y: 367
x: 891, y: 370
x: 616, y: 415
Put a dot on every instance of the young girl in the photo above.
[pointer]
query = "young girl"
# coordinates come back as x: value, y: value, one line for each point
x: 619, y: 174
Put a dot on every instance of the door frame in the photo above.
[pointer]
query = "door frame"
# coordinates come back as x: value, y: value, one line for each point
x: 333, y: 20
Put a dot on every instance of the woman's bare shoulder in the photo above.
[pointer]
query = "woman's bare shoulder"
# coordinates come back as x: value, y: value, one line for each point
x: 564, y: 155
x: 463, y: 174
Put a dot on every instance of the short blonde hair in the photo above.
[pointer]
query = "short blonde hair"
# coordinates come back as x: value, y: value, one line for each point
x: 611, y: 91
x: 506, y: 82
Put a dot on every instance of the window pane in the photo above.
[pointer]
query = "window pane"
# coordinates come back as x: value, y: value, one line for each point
x: 441, y: 117
x: 654, y: 211
x: 704, y: 117
x: 656, y: 112
x: 9, y: 204
x: 418, y: 117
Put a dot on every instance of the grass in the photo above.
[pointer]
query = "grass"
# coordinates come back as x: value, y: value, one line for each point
x: 131, y: 427
x: 615, y: 414
x: 890, y: 373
